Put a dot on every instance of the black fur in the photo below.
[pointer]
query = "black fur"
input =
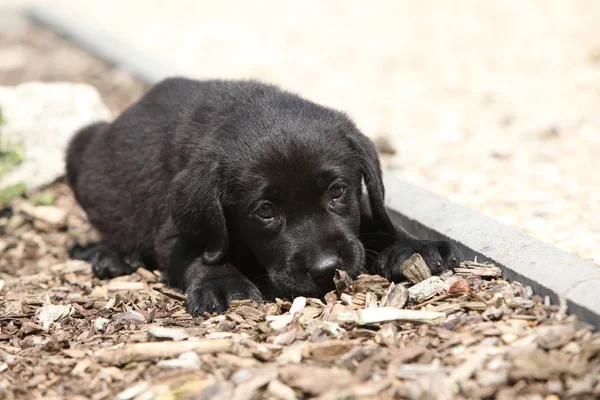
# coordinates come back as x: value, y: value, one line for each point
x: 178, y: 181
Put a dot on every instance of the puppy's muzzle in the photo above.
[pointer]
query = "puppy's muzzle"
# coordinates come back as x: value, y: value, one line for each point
x: 323, y: 270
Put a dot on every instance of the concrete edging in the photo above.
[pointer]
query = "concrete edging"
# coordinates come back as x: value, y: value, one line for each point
x: 549, y: 270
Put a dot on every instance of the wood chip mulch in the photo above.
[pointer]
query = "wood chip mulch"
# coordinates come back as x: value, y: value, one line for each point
x: 471, y: 334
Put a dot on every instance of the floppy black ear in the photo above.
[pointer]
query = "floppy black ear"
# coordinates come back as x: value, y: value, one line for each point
x: 197, y: 212
x: 371, y: 171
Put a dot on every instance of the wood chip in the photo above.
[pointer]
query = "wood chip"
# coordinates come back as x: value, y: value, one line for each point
x: 158, y: 350
x: 115, y: 285
x: 426, y: 289
x: 162, y: 333
x: 484, y: 270
x: 52, y: 313
x: 387, y: 314
x: 415, y: 269
x: 281, y: 391
x: 396, y: 297
x: 51, y: 215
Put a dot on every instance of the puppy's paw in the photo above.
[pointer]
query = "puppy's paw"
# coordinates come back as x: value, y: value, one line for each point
x: 108, y: 264
x: 215, y: 295
x: 439, y: 256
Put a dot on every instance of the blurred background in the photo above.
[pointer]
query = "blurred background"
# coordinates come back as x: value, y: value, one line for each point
x: 494, y: 105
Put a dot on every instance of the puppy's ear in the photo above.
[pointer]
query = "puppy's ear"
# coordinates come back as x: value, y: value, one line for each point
x: 371, y: 171
x: 197, y: 212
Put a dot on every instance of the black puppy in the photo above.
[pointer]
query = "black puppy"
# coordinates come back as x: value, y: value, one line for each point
x: 237, y: 189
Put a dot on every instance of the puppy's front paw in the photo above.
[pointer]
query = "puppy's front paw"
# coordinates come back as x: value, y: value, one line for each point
x: 215, y: 295
x: 438, y: 255
x: 108, y: 264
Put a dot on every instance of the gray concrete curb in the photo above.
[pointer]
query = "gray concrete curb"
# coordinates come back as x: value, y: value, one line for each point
x: 549, y: 271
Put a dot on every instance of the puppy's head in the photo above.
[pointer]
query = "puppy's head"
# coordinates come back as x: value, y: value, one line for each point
x: 282, y: 184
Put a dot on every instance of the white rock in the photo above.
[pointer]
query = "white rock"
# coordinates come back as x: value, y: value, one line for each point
x: 42, y: 117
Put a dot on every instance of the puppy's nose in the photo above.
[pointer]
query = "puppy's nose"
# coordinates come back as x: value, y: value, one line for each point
x: 324, y: 269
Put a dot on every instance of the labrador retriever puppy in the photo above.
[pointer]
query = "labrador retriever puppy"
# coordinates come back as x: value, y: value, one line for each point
x: 238, y: 189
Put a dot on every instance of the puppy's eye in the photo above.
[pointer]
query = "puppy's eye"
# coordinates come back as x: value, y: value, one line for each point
x: 337, y: 190
x: 266, y: 210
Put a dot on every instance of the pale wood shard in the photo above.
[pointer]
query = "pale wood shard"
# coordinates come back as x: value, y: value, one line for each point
x: 159, y: 350
x: 426, y: 289
x: 415, y: 269
x: 247, y: 389
x: 281, y: 391
x: 387, y: 314
x: 487, y: 270
x: 52, y: 313
x: 116, y: 285
x: 162, y: 333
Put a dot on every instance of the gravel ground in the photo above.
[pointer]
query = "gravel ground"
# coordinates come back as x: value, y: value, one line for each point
x: 492, y: 104
x: 66, y: 334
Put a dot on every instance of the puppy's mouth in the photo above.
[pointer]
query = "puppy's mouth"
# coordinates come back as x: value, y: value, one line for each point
x: 295, y: 279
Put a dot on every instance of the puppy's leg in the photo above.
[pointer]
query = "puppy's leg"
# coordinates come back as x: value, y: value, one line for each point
x: 388, y: 253
x: 210, y: 288
x: 106, y: 263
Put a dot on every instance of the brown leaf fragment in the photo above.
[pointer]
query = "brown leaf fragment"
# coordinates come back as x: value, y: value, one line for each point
x: 154, y: 350
x: 459, y: 288
x: 415, y: 269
